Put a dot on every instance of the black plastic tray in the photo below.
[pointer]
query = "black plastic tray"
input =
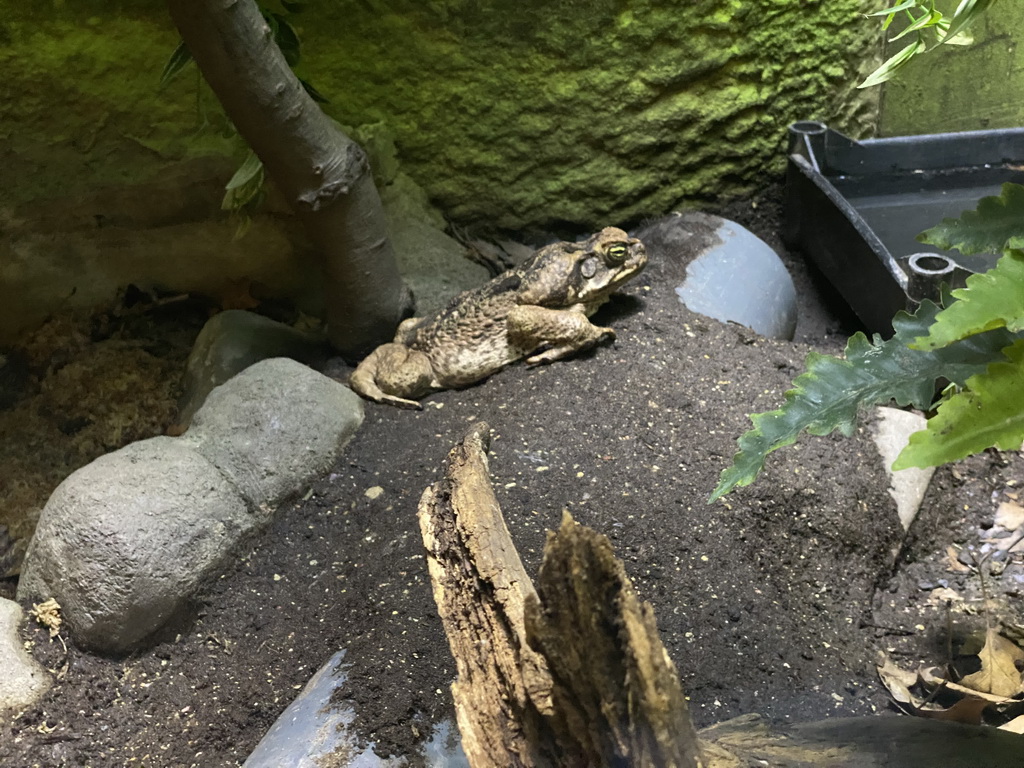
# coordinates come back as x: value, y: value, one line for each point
x: 855, y: 208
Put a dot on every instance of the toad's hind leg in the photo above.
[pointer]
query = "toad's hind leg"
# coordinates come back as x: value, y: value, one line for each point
x: 565, y: 331
x: 394, y: 374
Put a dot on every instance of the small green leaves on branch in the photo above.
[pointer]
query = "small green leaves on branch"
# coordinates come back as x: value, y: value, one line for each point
x: 244, y: 193
x: 924, y: 21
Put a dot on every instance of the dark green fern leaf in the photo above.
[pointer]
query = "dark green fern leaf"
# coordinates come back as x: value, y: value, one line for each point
x: 994, y: 227
x: 832, y: 391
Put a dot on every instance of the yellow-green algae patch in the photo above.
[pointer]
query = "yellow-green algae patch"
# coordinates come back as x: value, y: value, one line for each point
x: 522, y: 115
x: 80, y: 102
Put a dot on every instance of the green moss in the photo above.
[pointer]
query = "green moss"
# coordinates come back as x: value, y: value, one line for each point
x: 518, y: 115
x: 82, y: 107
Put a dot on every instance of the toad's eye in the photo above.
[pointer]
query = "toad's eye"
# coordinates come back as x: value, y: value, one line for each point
x: 617, y: 252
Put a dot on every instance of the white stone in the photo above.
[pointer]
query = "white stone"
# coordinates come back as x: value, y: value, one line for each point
x: 23, y: 681
x: 892, y: 429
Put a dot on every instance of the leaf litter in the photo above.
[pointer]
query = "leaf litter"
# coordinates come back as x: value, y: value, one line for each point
x: 940, y: 693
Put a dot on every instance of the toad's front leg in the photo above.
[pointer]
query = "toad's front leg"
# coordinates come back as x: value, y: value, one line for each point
x: 394, y: 374
x: 564, y: 331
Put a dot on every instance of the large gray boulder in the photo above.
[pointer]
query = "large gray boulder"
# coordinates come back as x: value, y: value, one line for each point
x: 275, y: 427
x: 124, y: 541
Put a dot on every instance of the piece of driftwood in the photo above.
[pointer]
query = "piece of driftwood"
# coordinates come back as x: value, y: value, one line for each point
x: 503, y: 688
x: 892, y: 741
x: 611, y: 696
x: 616, y: 696
x: 573, y: 674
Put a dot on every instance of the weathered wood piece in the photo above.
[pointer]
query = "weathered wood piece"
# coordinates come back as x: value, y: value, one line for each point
x: 860, y: 742
x: 503, y: 686
x: 613, y: 673
x: 616, y: 695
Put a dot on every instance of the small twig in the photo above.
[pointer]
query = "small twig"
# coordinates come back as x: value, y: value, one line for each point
x: 899, y: 631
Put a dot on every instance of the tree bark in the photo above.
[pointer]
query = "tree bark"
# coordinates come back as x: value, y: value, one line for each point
x: 503, y: 688
x: 321, y: 171
x: 615, y: 693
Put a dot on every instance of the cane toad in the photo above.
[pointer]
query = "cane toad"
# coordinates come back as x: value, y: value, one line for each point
x: 538, y: 310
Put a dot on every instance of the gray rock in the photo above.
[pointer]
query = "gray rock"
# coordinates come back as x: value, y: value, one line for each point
x: 233, y: 340
x: 274, y: 428
x: 433, y: 264
x: 126, y: 540
x: 23, y: 681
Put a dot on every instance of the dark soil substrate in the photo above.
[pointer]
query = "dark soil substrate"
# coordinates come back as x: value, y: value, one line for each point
x: 764, y: 601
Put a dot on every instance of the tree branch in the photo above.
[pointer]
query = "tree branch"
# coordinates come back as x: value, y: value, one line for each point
x: 321, y: 171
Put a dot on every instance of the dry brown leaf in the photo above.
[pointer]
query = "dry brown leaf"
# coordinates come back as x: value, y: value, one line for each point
x: 968, y: 710
x: 1014, y: 726
x: 998, y: 674
x: 952, y: 564
x: 1009, y: 516
x: 943, y: 596
x: 898, y: 682
x: 931, y: 677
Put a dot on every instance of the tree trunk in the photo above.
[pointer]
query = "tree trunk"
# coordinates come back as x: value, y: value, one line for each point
x: 323, y: 173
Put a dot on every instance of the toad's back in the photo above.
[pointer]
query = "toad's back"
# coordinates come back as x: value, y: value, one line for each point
x: 469, y: 339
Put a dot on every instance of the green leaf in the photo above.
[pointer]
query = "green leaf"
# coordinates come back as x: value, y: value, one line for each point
x: 964, y: 15
x: 963, y: 37
x: 287, y: 39
x: 294, y: 6
x: 928, y: 19
x: 247, y: 172
x: 893, y: 64
x: 993, y: 299
x: 996, y: 225
x: 313, y: 92
x: 178, y: 60
x: 988, y: 413
x: 829, y: 395
x: 895, y: 9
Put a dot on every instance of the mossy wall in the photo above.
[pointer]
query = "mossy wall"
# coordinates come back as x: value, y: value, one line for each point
x: 79, y: 105
x: 529, y: 114
x: 962, y: 88
x: 545, y: 112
